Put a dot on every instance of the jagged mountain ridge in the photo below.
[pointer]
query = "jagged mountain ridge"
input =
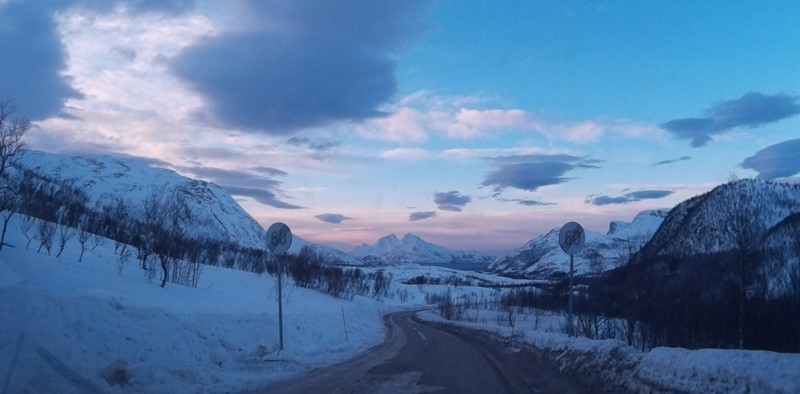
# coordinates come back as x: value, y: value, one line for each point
x: 412, y: 249
x: 542, y: 257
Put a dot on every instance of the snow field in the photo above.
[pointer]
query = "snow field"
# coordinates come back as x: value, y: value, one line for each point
x: 64, y: 324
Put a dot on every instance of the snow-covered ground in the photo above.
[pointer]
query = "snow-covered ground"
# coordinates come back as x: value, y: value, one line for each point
x: 658, y: 370
x: 69, y: 326
x: 74, y: 327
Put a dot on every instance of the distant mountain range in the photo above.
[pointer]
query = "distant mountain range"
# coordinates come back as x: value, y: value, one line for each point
x: 412, y: 249
x: 697, y: 226
x: 542, y: 257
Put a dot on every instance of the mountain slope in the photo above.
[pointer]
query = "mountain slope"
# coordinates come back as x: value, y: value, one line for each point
x: 711, y: 222
x: 106, y: 180
x: 542, y: 257
x: 412, y: 249
x: 723, y: 270
x: 215, y: 214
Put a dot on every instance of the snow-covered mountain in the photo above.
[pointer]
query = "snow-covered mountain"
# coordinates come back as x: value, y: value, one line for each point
x: 329, y: 255
x: 412, y: 249
x: 215, y: 214
x: 712, y: 221
x: 107, y: 179
x: 542, y: 257
x: 758, y: 218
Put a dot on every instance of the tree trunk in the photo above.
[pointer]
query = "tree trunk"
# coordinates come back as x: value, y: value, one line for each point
x: 5, y: 226
x: 164, y: 269
x: 742, y: 299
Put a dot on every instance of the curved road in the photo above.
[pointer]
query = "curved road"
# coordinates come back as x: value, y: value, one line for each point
x: 419, y: 357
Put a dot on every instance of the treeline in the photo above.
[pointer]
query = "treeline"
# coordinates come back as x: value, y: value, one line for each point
x: 308, y: 269
x: 694, y: 303
x: 157, y: 236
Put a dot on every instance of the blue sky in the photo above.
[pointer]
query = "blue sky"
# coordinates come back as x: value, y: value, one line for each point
x: 474, y: 124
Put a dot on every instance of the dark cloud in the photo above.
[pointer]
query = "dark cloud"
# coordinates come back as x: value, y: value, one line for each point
x: 322, y: 146
x: 414, y: 216
x: 665, y: 162
x: 247, y: 183
x: 451, y: 201
x: 534, y: 203
x: 530, y: 172
x: 269, y: 171
x: 298, y: 141
x: 334, y: 218
x: 33, y: 57
x: 629, y: 197
x: 307, y: 64
x: 32, y: 60
x: 776, y: 161
x: 263, y: 196
x: 172, y: 7
x: 751, y: 110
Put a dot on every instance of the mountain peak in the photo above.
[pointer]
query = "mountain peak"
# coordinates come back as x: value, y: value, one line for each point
x: 542, y: 257
x: 411, y: 237
x: 412, y: 250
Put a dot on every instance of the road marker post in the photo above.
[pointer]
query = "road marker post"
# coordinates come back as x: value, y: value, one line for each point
x: 571, y: 238
x: 279, y: 239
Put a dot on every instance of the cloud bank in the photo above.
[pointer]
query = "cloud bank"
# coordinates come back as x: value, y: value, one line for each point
x: 334, y: 218
x: 303, y: 64
x: 33, y: 59
x: 32, y: 72
x: 776, y: 161
x: 629, y: 197
x: 255, y: 183
x: 530, y: 172
x: 751, y: 110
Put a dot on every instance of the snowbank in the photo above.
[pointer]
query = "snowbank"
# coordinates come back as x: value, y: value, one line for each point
x: 614, y: 363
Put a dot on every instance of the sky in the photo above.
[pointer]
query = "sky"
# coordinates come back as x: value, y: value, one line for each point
x: 475, y: 125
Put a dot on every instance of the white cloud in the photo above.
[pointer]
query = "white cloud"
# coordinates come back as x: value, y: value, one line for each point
x: 469, y: 123
x: 419, y: 116
x: 463, y: 153
x: 405, y: 124
x: 405, y: 154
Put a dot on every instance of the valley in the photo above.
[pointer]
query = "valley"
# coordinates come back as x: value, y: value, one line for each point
x: 102, y: 297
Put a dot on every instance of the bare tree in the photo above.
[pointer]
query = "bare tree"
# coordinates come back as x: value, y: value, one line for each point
x: 83, y: 238
x: 165, y: 216
x: 46, y: 230
x: 65, y: 233
x: 746, y: 233
x: 27, y: 230
x: 11, y: 132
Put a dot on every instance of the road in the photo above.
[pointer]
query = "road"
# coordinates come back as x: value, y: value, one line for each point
x: 419, y: 357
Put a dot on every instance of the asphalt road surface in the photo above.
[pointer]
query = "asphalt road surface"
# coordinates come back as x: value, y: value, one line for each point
x: 419, y: 357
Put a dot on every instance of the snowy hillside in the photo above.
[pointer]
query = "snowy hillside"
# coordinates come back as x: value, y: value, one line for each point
x: 542, y: 257
x: 215, y: 214
x: 101, y: 325
x: 106, y: 180
x: 754, y: 215
x: 712, y: 221
x: 412, y: 249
